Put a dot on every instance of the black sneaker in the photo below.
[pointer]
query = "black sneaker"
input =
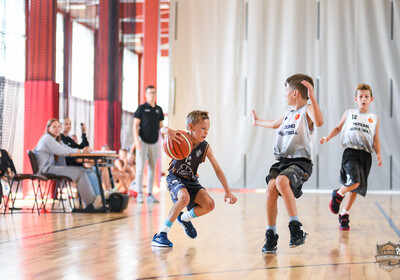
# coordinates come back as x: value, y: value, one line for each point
x: 334, y: 205
x: 297, y: 234
x: 188, y: 227
x: 271, y: 242
x: 344, y: 222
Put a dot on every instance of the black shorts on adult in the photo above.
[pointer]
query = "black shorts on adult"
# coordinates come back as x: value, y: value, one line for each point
x: 355, y: 168
x: 297, y: 170
x: 176, y: 183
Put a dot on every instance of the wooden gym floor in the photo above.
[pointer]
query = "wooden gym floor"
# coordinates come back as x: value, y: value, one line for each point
x: 228, y: 246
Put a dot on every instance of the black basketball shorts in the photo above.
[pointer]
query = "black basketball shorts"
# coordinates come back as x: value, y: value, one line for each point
x: 355, y: 168
x: 297, y: 170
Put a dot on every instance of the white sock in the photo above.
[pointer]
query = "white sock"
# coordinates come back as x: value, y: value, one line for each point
x: 344, y: 212
x: 166, y: 226
x: 188, y: 215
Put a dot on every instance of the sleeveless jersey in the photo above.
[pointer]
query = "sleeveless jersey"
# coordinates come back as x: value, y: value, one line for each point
x: 187, y: 168
x: 294, y: 139
x: 358, y: 130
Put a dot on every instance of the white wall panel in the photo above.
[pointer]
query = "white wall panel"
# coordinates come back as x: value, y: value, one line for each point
x: 218, y: 51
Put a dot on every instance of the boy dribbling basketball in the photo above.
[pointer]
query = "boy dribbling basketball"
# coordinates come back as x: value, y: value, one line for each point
x: 183, y: 184
x: 293, y: 150
x: 359, y: 136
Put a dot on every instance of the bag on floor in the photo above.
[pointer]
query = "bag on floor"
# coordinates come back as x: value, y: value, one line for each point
x: 118, y: 202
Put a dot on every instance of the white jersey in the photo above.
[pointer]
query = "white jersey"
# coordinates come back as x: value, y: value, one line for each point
x: 294, y: 139
x: 358, y: 130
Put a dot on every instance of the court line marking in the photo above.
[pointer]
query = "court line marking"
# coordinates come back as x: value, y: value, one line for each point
x: 396, y: 230
x: 252, y: 269
x: 64, y: 229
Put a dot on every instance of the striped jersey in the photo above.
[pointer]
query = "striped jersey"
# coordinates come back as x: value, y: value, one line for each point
x: 294, y: 139
x: 187, y: 168
x: 358, y: 130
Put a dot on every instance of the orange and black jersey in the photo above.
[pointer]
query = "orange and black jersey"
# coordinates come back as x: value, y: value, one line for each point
x: 187, y: 168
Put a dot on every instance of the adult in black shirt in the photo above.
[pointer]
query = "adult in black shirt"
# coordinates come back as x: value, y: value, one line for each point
x: 67, y: 140
x: 148, y: 120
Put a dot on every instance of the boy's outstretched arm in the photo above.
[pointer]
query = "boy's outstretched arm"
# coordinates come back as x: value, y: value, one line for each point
x: 313, y: 111
x: 334, y: 131
x: 256, y: 121
x: 377, y: 145
x: 221, y: 177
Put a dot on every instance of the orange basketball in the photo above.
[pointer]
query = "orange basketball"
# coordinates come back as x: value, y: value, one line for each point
x: 179, y: 151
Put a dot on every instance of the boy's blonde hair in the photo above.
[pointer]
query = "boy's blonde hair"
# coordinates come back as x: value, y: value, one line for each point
x: 294, y: 82
x: 196, y: 116
x: 363, y: 87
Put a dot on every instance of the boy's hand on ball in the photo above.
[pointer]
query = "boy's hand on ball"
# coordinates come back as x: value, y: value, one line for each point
x: 173, y: 135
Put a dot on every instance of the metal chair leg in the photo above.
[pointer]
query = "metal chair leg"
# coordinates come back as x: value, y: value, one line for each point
x: 15, y: 197
x: 35, y: 192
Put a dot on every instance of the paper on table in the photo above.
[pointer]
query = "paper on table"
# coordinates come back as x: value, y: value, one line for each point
x: 103, y: 152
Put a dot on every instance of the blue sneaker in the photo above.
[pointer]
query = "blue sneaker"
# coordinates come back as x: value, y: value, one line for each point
x: 161, y: 240
x: 188, y: 227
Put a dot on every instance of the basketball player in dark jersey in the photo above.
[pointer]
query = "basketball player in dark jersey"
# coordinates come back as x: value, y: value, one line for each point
x: 183, y: 183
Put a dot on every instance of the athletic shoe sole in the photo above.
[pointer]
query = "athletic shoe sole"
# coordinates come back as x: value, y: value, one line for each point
x: 270, y: 251
x: 155, y: 244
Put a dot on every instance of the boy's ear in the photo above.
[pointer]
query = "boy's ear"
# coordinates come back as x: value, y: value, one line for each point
x: 295, y: 93
x: 190, y: 126
x: 372, y: 98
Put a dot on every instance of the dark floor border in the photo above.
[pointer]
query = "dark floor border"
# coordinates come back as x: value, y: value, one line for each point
x: 396, y: 230
x: 253, y: 269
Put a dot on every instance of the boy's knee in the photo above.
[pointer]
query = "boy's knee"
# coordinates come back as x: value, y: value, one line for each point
x: 272, y: 192
x: 184, y: 198
x: 353, y: 187
x: 282, y: 182
x: 210, y: 205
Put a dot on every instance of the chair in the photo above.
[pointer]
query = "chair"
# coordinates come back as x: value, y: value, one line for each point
x: 9, y: 173
x: 62, y: 182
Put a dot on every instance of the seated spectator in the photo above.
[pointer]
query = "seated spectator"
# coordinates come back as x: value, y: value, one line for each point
x: 70, y: 142
x: 50, y: 156
x: 132, y: 167
x: 74, y: 137
x: 123, y: 171
x: 105, y: 148
x: 132, y: 164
